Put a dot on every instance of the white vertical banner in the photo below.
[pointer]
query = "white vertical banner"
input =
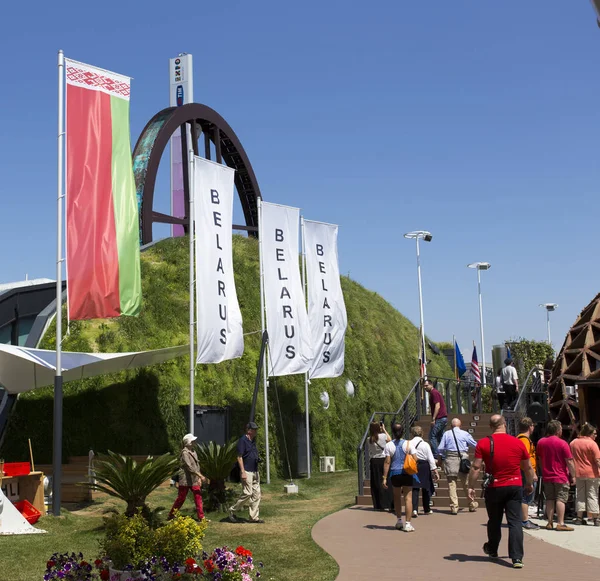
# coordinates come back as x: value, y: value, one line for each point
x: 290, y: 345
x: 326, y: 307
x: 219, y: 320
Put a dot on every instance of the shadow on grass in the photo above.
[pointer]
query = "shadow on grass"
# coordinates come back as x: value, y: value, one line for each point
x: 461, y: 558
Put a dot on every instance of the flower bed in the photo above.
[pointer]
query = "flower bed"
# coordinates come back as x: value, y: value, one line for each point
x: 223, y: 564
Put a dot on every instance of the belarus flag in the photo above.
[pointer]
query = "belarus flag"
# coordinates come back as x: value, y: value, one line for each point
x: 103, y: 248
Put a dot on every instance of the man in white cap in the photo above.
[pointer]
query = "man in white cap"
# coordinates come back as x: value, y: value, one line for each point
x: 247, y: 457
x: 190, y: 477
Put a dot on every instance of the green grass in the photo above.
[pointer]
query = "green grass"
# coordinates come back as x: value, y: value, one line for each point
x: 283, y: 543
x: 138, y: 412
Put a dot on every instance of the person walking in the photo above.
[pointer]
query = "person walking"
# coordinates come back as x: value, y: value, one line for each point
x: 558, y: 467
x: 427, y: 472
x: 454, y: 448
x: 499, y: 390
x: 378, y: 438
x: 439, y: 416
x: 402, y: 483
x: 247, y: 458
x: 505, y: 457
x: 526, y: 428
x: 586, y: 455
x: 190, y: 477
x: 510, y: 381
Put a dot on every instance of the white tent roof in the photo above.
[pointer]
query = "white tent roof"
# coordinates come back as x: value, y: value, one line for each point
x: 23, y: 369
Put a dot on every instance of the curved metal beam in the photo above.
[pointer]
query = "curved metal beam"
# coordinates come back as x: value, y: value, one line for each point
x: 152, y: 143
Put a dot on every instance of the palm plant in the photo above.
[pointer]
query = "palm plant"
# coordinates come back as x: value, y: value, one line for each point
x: 122, y: 477
x: 216, y: 462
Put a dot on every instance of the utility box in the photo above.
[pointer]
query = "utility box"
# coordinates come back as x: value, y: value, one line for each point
x: 327, y: 464
x: 211, y: 423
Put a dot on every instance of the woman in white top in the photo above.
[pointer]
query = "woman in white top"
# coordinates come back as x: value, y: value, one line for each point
x: 427, y: 471
x: 378, y: 438
x: 499, y: 388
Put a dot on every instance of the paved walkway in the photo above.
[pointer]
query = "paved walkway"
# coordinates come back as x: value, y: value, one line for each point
x: 366, y: 546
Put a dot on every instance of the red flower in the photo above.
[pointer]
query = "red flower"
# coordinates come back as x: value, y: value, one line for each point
x: 98, y: 562
x: 50, y: 564
x: 210, y: 566
x: 104, y: 575
x: 189, y: 562
x: 83, y: 564
x: 243, y: 552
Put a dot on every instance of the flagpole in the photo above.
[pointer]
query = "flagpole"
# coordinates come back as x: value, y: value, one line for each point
x: 262, y: 322
x: 58, y: 379
x: 192, y: 289
x: 308, y: 466
x: 454, y: 348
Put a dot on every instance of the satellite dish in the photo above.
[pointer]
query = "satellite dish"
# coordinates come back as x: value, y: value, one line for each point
x: 325, y: 399
x: 350, y: 388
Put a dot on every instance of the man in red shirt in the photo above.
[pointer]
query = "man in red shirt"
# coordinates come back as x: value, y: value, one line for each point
x: 439, y: 416
x: 505, y: 457
x: 557, y: 463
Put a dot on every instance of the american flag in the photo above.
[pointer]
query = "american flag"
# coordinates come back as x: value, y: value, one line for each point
x: 475, y: 366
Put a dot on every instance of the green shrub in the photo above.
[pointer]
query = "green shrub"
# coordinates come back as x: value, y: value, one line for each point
x: 179, y: 539
x: 127, y: 541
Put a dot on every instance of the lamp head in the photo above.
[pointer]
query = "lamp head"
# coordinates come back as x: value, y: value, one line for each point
x: 422, y: 234
x: 549, y: 306
x: 480, y: 265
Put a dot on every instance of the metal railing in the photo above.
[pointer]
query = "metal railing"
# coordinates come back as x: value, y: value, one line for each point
x: 534, y: 383
x: 461, y: 397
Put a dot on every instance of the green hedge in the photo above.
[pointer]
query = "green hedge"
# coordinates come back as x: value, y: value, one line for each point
x: 139, y: 412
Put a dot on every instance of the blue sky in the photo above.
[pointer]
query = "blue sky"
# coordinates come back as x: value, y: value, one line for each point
x: 478, y: 121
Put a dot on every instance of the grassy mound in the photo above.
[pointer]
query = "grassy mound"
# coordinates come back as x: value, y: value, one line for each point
x: 139, y: 412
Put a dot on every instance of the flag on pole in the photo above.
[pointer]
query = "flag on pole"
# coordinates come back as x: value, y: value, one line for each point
x: 460, y: 366
x: 103, y: 249
x: 508, y: 352
x: 475, y: 366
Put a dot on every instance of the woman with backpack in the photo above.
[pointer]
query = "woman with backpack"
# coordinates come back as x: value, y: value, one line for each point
x: 378, y: 438
x: 401, y: 465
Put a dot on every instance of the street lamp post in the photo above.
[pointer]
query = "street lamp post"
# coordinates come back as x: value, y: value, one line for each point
x: 479, y: 266
x: 549, y: 308
x: 427, y: 237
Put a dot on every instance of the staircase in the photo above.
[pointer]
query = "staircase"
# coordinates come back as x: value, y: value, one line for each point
x: 478, y: 426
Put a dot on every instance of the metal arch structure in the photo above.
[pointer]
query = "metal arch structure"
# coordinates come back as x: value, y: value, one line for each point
x: 150, y: 147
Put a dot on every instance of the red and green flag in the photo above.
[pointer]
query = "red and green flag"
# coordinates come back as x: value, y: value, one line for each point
x: 102, y: 234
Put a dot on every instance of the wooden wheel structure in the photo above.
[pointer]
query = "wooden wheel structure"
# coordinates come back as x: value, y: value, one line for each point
x: 574, y: 389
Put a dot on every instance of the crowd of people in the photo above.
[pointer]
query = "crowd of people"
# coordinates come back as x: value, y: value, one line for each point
x: 510, y: 467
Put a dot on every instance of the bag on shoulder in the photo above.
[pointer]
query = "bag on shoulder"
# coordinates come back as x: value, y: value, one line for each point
x: 465, y: 464
x: 410, y: 462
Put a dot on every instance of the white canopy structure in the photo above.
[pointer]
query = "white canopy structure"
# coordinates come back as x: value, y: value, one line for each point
x: 23, y: 369
x: 12, y: 521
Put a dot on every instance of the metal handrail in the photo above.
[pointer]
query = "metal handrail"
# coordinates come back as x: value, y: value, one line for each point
x: 414, y: 406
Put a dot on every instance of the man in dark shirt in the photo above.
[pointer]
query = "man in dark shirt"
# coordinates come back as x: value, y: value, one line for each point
x: 247, y: 458
x: 439, y: 416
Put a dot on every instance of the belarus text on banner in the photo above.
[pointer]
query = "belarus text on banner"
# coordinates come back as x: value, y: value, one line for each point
x: 326, y: 307
x: 290, y: 349
x: 103, y: 249
x: 219, y: 319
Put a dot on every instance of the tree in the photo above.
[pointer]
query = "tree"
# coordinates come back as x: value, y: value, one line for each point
x: 528, y: 353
